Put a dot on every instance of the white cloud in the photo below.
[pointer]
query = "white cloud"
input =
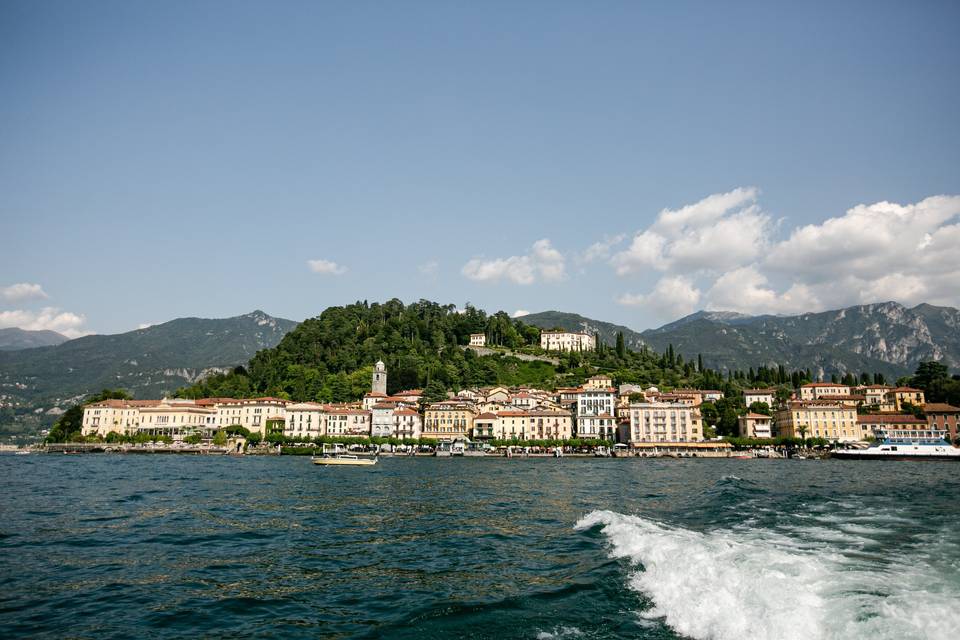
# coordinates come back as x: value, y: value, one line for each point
x: 672, y: 297
x: 747, y: 290
x: 600, y: 250
x: 720, y: 232
x: 326, y: 267
x: 429, y: 268
x: 23, y: 291
x: 519, y: 313
x: 50, y: 318
x: 725, y: 246
x: 543, y: 263
x: 145, y: 325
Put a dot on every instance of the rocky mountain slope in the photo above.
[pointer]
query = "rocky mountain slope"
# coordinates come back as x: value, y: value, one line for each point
x: 887, y: 337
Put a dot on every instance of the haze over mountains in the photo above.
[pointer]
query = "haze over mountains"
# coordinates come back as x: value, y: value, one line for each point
x: 37, y: 383
x: 13, y: 338
x: 886, y: 338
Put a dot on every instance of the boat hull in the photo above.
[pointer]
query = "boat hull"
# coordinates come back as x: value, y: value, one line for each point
x: 852, y: 455
x: 346, y: 463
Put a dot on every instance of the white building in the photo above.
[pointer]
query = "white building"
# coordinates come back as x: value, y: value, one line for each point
x: 769, y: 396
x: 664, y: 422
x: 567, y: 341
x: 595, y: 413
x: 343, y: 421
x: 305, y: 420
x: 478, y: 339
x: 817, y: 390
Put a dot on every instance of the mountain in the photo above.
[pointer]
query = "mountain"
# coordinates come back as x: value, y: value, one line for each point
x: 147, y: 362
x: 13, y: 338
x: 886, y: 338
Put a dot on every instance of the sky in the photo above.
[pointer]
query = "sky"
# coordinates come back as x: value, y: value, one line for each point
x: 629, y: 161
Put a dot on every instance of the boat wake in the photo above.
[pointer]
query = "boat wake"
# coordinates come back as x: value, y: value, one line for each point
x: 761, y: 583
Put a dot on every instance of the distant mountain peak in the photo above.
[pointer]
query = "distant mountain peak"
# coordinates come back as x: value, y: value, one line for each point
x: 13, y: 338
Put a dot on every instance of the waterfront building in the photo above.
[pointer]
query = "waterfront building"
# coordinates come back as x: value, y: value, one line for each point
x: 567, y: 341
x: 550, y: 424
x: 870, y: 424
x: 118, y: 416
x: 906, y: 395
x: 305, y: 420
x: 944, y: 417
x: 814, y: 390
x: 250, y: 413
x: 817, y: 419
x: 408, y: 423
x: 485, y: 426
x: 448, y: 420
x: 768, y: 396
x: 347, y: 421
x: 755, y: 425
x: 595, y: 413
x: 177, y: 419
x: 478, y: 339
x: 664, y: 422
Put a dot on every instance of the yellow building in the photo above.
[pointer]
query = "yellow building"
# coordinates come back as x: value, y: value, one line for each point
x: 817, y: 419
x: 902, y: 395
x: 814, y: 390
x: 448, y: 420
x: 117, y: 416
x: 305, y: 420
x: 250, y: 413
x: 664, y: 422
x: 178, y: 419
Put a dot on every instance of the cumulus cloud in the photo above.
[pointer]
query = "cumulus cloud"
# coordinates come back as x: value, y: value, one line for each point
x: 326, y: 267
x: 672, y: 296
x: 23, y: 291
x: 720, y: 232
x: 722, y: 253
x: 748, y: 291
x: 519, y: 313
x: 542, y: 263
x: 600, y: 250
x: 50, y: 318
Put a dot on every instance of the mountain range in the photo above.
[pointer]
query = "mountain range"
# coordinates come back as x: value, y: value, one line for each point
x: 13, y: 338
x: 886, y: 338
x: 38, y: 383
x: 150, y: 362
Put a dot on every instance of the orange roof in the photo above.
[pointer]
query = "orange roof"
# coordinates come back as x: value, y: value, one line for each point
x: 940, y: 407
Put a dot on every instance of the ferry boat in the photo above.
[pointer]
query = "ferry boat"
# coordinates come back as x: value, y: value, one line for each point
x: 904, y: 444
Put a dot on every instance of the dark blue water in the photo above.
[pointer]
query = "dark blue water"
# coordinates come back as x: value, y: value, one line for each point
x: 169, y: 547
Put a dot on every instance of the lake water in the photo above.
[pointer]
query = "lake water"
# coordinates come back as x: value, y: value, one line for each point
x: 176, y: 546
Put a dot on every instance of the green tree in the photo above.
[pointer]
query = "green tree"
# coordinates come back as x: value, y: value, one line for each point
x: 220, y: 438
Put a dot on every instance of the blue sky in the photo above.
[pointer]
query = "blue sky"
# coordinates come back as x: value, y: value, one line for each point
x: 628, y: 161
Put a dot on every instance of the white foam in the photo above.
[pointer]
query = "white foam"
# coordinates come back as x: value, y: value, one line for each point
x: 757, y: 583
x: 559, y: 633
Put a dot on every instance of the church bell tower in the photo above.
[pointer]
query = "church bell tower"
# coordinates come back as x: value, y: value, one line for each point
x: 379, y: 378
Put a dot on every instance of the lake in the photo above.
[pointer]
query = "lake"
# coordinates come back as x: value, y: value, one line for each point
x: 114, y: 546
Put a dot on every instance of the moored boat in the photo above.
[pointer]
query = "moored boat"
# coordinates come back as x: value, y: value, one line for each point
x: 335, y: 456
x: 904, y: 444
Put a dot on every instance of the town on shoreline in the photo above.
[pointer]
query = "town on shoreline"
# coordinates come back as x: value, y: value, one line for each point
x: 597, y: 416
